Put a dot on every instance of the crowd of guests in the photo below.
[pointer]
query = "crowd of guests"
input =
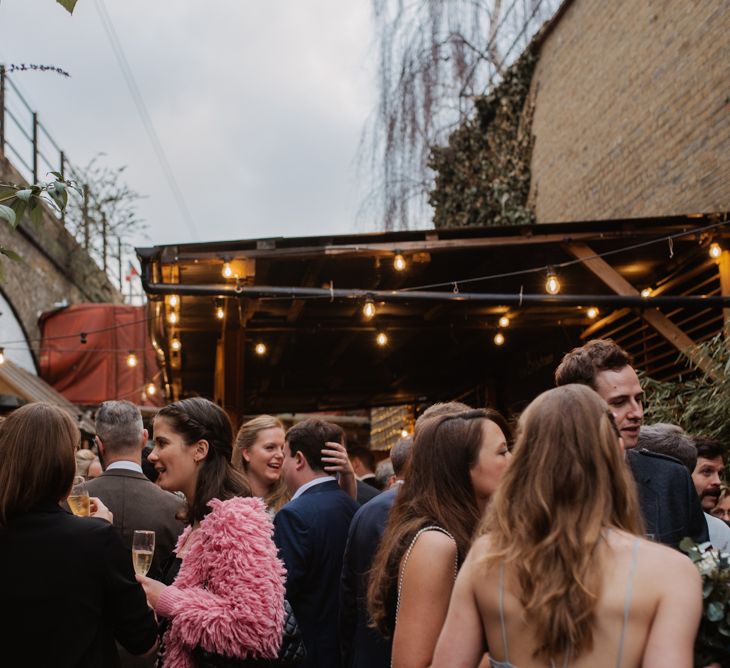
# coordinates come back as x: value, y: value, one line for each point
x: 555, y: 547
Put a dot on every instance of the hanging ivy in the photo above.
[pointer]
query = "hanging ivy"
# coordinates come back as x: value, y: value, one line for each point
x: 483, y: 174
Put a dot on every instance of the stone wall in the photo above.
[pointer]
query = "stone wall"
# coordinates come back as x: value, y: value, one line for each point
x: 54, y: 267
x: 632, y: 111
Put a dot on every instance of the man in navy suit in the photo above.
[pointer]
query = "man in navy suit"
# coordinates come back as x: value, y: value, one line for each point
x: 310, y: 532
x: 669, y: 503
x: 362, y: 646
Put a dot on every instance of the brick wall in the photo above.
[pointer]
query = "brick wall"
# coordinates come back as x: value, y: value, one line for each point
x: 54, y: 267
x: 632, y: 114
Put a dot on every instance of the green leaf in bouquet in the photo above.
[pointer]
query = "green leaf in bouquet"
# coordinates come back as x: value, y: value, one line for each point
x: 24, y: 194
x: 724, y: 630
x: 707, y: 589
x: 7, y: 214
x: 11, y: 254
x: 687, y: 545
x: 715, y: 611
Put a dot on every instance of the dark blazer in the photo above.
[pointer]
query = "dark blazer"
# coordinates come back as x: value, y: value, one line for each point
x: 138, y: 503
x: 669, y: 502
x: 311, y: 532
x: 365, y: 492
x: 68, y: 591
x: 360, y: 645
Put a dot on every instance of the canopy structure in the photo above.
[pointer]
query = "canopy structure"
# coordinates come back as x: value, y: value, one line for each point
x: 277, y: 325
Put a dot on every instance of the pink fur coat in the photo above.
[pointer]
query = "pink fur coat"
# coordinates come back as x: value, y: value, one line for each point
x: 229, y: 594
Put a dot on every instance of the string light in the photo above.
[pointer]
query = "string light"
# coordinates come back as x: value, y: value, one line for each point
x: 504, y: 321
x: 227, y: 270
x: 172, y: 318
x: 381, y: 339
x: 260, y: 349
x: 399, y: 262
x: 220, y: 313
x: 646, y: 292
x: 2, y: 355
x: 715, y: 250
x: 132, y: 360
x: 368, y: 309
x: 592, y: 312
x: 404, y: 433
x: 552, y: 284
x: 175, y: 344
x: 151, y: 389
x: 499, y: 338
x: 174, y: 301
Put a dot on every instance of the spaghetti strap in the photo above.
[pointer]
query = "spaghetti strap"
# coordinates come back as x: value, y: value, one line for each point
x: 501, y: 613
x: 627, y: 601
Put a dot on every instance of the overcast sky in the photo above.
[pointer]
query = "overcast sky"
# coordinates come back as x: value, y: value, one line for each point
x: 259, y: 105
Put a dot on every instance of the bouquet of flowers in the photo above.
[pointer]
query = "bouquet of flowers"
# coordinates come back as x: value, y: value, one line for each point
x: 713, y: 638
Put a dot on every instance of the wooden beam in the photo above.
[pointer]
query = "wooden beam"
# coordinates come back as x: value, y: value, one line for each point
x: 653, y: 316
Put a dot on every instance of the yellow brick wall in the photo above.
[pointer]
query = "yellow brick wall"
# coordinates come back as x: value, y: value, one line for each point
x: 632, y: 111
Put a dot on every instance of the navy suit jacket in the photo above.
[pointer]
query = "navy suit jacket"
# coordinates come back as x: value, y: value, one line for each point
x: 669, y: 502
x: 311, y: 532
x: 365, y: 492
x: 362, y: 646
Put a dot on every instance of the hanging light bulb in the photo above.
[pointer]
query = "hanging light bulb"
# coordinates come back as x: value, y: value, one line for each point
x: 175, y: 344
x: 381, y: 339
x: 174, y: 301
x: 368, y: 309
x: 151, y: 389
x: 220, y: 313
x: 404, y: 433
x: 499, y: 338
x: 260, y: 349
x: 592, y: 312
x: 552, y: 284
x: 646, y: 292
x: 227, y: 270
x: 2, y: 355
x: 173, y: 318
x: 504, y: 321
x: 132, y: 360
x: 715, y: 250
x: 399, y: 262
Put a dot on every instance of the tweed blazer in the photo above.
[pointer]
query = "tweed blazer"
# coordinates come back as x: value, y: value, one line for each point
x: 138, y: 503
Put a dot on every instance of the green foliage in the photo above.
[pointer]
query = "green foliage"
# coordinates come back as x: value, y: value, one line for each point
x: 68, y: 5
x: 483, y: 175
x: 712, y: 641
x: 701, y: 405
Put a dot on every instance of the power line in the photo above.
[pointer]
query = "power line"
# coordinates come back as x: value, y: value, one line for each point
x: 145, y: 116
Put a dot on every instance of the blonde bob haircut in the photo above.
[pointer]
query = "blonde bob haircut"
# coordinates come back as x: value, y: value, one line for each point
x: 566, y: 485
x: 37, y: 463
x: 245, y: 438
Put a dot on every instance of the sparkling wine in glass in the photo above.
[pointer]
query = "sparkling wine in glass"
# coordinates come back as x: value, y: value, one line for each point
x: 143, y: 547
x: 78, y: 500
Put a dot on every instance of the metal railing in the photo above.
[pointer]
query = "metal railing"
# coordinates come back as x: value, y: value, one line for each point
x: 34, y: 153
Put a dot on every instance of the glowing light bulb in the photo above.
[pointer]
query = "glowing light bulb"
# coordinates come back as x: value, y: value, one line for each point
x: 399, y: 262
x: 227, y: 270
x: 151, y: 389
x: 174, y: 301
x: 132, y: 360
x: 175, y: 344
x: 592, y: 312
x: 172, y: 318
x: 552, y: 284
x: 220, y: 313
x: 404, y: 433
x: 368, y: 309
x: 260, y: 349
x: 504, y: 321
x: 715, y: 250
x: 646, y: 292
x: 499, y: 338
x: 381, y: 339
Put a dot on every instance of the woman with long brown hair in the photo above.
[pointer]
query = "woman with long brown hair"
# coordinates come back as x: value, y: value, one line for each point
x: 457, y: 459
x: 561, y: 575
x: 259, y: 453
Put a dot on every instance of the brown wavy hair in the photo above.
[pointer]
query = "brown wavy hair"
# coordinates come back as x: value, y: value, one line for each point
x: 567, y: 483
x: 437, y: 491
x: 247, y: 434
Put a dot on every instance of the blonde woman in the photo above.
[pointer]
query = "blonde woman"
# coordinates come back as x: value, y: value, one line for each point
x: 562, y: 576
x: 259, y: 453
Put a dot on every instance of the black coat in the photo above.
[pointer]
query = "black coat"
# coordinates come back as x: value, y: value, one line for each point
x: 68, y: 591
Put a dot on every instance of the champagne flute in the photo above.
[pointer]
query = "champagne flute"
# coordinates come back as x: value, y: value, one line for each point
x: 78, y: 500
x: 143, y: 547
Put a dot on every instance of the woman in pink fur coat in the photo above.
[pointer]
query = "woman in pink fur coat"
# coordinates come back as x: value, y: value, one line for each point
x: 224, y: 590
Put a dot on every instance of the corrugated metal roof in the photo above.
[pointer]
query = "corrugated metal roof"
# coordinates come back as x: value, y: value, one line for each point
x: 16, y: 380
